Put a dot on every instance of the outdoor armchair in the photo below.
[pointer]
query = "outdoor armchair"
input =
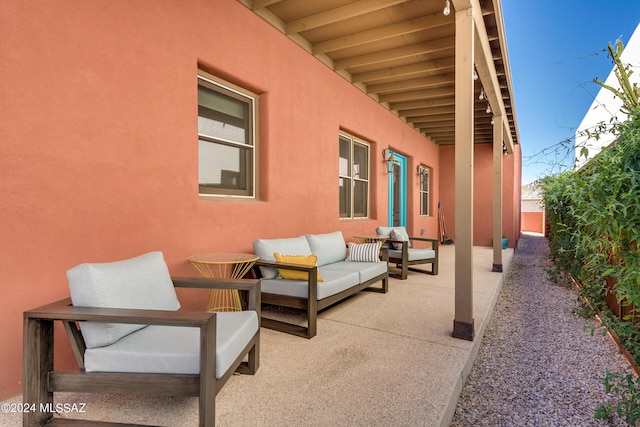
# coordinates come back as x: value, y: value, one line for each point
x: 403, y: 254
x: 128, y: 337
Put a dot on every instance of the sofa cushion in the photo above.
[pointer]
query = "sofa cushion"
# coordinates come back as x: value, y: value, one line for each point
x: 335, y: 281
x: 329, y: 247
x: 173, y: 349
x: 142, y: 282
x: 364, y: 252
x: 366, y: 270
x: 265, y: 248
x: 413, y: 254
x: 303, y: 260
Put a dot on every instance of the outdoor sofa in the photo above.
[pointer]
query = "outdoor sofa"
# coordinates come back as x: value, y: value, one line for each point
x: 331, y: 274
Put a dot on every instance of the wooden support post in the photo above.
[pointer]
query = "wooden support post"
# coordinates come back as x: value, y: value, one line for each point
x: 497, y: 193
x: 463, y: 323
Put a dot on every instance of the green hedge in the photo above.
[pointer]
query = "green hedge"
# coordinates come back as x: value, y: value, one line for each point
x: 593, y: 215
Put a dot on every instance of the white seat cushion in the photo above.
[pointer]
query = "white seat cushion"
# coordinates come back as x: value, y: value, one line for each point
x: 174, y: 350
x: 366, y: 270
x: 414, y: 254
x: 334, y: 282
x: 142, y: 282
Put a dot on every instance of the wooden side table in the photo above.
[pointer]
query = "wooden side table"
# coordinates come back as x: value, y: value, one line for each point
x: 224, y: 266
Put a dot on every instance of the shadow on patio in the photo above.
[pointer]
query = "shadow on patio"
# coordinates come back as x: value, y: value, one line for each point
x: 378, y: 359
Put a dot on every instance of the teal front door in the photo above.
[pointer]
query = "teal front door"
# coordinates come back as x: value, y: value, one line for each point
x: 398, y: 191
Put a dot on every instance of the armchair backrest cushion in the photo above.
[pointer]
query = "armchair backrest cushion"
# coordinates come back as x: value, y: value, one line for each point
x: 394, y: 233
x: 329, y: 247
x: 265, y: 248
x: 384, y: 231
x: 142, y: 282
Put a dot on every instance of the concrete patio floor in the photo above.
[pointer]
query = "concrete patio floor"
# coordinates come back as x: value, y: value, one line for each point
x: 378, y: 360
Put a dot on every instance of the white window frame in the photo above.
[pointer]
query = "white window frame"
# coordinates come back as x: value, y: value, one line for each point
x: 209, y: 81
x: 424, y: 175
x: 352, y: 179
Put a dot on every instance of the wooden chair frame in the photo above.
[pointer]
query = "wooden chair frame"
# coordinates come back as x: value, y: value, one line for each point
x: 41, y: 381
x: 404, y: 264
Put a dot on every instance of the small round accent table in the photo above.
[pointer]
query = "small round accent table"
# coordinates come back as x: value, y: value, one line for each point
x: 370, y: 238
x: 224, y: 266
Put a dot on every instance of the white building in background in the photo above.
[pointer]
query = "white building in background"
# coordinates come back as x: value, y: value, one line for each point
x: 606, y: 106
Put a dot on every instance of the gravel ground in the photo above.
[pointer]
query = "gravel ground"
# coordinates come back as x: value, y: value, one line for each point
x: 537, y: 365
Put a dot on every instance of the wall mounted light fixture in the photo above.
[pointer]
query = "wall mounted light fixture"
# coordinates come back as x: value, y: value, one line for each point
x: 389, y: 159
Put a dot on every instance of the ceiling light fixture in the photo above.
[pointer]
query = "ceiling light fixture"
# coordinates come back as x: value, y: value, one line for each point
x: 447, y: 8
x: 475, y: 74
x: 483, y: 95
x: 488, y: 108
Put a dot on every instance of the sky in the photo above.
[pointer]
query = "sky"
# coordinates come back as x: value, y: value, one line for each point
x: 556, y: 49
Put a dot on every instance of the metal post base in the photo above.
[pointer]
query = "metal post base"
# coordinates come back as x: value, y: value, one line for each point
x: 497, y: 268
x: 463, y: 330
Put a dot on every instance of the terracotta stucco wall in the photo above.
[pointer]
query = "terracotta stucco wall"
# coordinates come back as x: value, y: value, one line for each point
x: 533, y: 221
x: 483, y: 194
x: 99, y: 143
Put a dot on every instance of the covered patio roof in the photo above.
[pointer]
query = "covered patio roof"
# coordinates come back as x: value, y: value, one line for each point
x: 402, y: 54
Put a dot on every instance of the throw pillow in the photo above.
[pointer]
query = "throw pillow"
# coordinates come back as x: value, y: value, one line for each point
x: 364, y: 252
x: 399, y: 235
x: 303, y: 260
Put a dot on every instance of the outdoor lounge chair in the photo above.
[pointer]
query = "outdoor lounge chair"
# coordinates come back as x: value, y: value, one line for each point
x: 403, y: 255
x: 145, y: 347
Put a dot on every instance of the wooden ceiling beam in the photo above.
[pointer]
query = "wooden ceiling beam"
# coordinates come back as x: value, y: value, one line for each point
x: 351, y: 10
x: 407, y: 106
x: 389, y: 31
x: 486, y: 68
x: 396, y: 53
x: 403, y: 85
x: 256, y: 4
x: 430, y: 67
x: 440, y: 137
x: 411, y: 114
x: 418, y: 94
x: 430, y: 119
x: 447, y: 126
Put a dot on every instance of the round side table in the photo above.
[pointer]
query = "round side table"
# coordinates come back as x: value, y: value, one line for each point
x: 224, y: 266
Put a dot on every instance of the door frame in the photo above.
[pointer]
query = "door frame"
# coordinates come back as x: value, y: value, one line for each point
x: 402, y: 174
